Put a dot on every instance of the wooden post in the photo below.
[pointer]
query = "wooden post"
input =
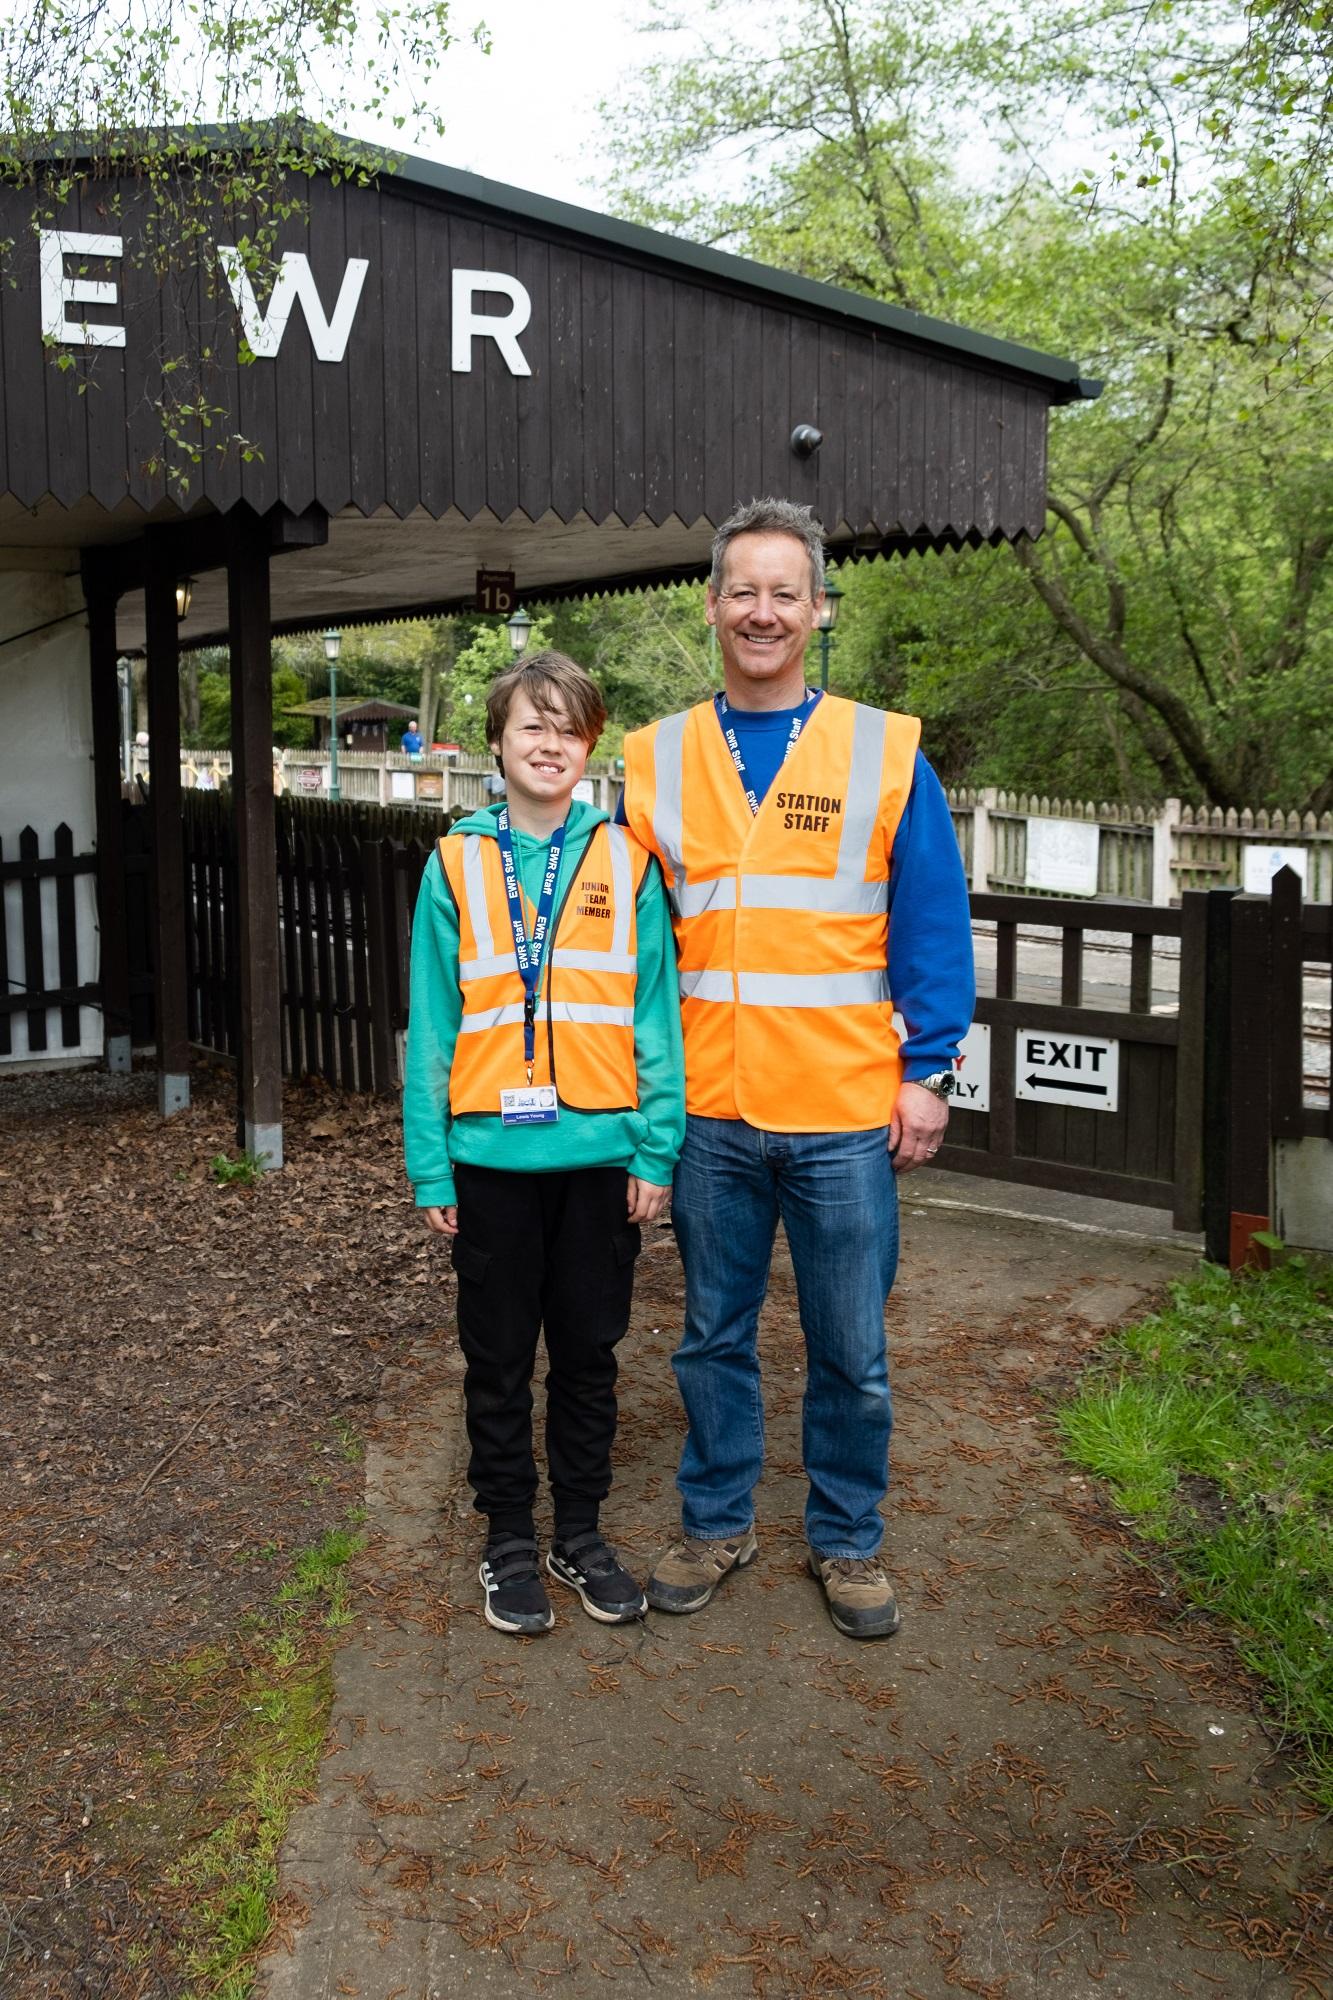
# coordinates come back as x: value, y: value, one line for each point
x: 983, y: 840
x: 112, y: 917
x: 164, y: 795
x: 1251, y: 1096
x: 1217, y: 1077
x: 259, y: 1041
x: 1165, y: 826
x: 1191, y: 1056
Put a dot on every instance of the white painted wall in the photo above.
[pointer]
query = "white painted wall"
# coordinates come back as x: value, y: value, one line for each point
x: 46, y: 775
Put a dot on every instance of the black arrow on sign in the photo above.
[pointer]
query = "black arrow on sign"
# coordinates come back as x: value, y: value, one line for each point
x: 1058, y: 1083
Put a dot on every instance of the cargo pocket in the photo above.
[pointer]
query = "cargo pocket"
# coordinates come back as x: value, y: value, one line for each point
x: 625, y: 1247
x: 470, y: 1264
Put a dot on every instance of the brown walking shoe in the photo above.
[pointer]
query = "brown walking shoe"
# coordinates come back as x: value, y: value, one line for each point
x: 860, y: 1597
x: 687, y: 1575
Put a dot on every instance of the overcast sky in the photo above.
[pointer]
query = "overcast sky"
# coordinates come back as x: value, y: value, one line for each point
x: 527, y: 112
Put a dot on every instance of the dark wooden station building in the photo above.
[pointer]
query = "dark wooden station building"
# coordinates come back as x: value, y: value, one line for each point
x: 447, y: 375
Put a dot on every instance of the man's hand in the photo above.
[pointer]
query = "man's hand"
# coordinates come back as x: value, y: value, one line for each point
x: 645, y: 1200
x: 917, y: 1130
x: 441, y: 1221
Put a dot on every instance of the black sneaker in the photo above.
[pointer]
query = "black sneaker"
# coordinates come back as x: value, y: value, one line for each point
x: 587, y: 1565
x: 516, y: 1599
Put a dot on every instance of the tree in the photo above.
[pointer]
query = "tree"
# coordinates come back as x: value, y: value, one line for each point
x: 1180, y: 594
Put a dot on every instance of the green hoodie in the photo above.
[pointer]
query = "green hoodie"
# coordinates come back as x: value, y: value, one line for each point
x: 645, y: 1142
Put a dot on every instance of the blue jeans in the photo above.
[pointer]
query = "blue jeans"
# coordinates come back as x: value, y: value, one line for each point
x: 835, y: 1195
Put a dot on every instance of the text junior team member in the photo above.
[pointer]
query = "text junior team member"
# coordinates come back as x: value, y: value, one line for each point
x: 815, y: 885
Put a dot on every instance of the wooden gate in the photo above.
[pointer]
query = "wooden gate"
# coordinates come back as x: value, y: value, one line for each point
x: 1148, y: 1001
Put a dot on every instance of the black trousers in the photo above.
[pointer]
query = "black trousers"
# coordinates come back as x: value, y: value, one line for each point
x: 534, y: 1253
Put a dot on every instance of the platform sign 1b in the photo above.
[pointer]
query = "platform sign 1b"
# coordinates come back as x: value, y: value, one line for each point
x: 497, y: 591
x: 1054, y: 1068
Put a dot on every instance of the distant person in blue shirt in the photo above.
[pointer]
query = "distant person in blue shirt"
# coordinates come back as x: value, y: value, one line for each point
x: 412, y: 744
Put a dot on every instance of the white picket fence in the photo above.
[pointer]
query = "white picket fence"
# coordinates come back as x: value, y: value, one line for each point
x: 1143, y: 856
x: 432, y: 782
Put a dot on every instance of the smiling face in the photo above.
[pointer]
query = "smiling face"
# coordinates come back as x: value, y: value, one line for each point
x: 543, y: 756
x: 764, y: 616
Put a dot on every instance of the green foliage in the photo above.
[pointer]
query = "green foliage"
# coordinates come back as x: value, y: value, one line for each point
x: 246, y: 1170
x: 1212, y: 1422
x: 1172, y: 631
x: 275, y: 1732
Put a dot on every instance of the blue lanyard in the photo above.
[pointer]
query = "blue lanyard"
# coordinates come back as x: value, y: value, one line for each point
x: 528, y: 952
x: 798, y: 723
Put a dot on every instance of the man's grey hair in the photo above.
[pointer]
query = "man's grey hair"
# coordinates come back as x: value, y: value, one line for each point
x: 772, y: 517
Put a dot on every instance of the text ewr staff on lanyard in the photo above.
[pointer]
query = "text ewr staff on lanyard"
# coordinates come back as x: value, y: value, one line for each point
x: 535, y: 1105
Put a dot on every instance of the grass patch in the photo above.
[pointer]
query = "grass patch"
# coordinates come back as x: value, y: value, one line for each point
x: 1212, y: 1423
x: 279, y: 1715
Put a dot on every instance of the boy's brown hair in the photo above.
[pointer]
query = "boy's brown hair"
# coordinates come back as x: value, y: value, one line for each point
x: 550, y: 680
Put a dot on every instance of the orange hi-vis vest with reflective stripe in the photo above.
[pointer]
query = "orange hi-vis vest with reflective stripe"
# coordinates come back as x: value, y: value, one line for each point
x: 585, y: 1010
x: 781, y: 916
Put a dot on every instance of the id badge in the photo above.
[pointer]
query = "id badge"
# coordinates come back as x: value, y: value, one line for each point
x: 534, y: 1105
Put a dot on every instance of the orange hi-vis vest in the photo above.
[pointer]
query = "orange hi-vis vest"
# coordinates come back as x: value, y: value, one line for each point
x: 781, y: 916
x: 585, y: 1011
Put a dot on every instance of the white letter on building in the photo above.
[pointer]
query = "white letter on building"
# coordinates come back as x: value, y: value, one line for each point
x: 293, y: 284
x: 59, y: 292
x: 504, y: 332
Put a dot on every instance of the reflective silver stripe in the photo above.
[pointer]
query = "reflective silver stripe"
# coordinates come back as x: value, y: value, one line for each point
x: 622, y: 884
x: 812, y: 989
x: 858, y: 820
x: 840, y: 897
x: 705, y: 985
x: 491, y: 1017
x: 668, y: 761
x: 692, y: 899
x: 566, y: 960
x: 474, y: 888
x: 484, y: 968
x: 586, y: 1013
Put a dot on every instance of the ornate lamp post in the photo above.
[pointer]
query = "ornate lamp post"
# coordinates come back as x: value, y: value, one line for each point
x: 333, y: 642
x: 518, y: 628
x: 824, y: 624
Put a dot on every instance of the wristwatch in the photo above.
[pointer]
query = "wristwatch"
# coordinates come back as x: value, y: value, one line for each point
x: 943, y: 1083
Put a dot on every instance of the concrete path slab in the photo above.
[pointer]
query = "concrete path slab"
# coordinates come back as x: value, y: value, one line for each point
x: 1051, y: 1781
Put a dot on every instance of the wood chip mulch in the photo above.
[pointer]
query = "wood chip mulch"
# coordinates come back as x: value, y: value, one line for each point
x: 187, y: 1368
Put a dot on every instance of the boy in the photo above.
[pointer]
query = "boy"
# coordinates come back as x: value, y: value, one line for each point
x: 542, y: 1114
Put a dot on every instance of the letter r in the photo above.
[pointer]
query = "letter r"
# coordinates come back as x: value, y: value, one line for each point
x: 468, y: 323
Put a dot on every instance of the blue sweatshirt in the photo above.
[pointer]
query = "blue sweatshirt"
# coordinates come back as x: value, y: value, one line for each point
x: 931, y: 974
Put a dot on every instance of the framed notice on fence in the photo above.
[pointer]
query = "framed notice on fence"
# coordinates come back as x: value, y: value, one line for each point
x: 309, y: 778
x: 1262, y: 863
x: 1062, y: 856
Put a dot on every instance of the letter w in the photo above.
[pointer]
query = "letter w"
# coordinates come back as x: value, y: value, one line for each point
x: 293, y: 284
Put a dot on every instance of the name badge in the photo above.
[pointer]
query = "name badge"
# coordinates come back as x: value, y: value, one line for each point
x: 535, y: 1105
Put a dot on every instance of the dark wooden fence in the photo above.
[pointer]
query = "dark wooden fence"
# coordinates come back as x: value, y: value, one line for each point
x: 1210, y: 1062
x: 347, y: 881
x: 1148, y: 1150
x: 29, y: 984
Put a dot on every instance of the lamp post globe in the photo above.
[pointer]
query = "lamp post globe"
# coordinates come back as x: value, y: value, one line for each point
x: 518, y: 626
x: 333, y: 643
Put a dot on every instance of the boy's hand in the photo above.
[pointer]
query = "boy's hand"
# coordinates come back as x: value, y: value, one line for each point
x: 645, y: 1199
x: 441, y: 1221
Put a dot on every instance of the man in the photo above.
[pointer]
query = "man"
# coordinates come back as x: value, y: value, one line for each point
x: 813, y: 873
x: 411, y: 739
